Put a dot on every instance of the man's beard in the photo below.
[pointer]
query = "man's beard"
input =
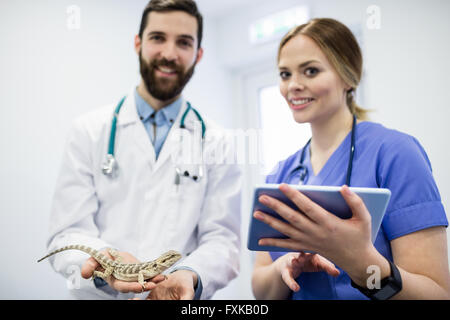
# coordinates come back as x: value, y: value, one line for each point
x: 160, y: 88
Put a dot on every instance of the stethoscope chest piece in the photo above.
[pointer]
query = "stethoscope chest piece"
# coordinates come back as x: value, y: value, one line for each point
x: 303, y: 172
x: 110, y: 166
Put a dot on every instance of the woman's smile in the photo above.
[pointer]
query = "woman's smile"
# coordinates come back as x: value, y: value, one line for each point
x: 300, y: 103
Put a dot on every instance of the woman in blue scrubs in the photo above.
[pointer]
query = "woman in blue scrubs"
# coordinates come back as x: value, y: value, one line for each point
x: 320, y: 66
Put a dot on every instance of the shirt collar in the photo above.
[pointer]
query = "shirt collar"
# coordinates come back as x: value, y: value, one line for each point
x: 168, y: 114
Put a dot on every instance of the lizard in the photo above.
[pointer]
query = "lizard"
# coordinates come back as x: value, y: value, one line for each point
x: 124, y: 271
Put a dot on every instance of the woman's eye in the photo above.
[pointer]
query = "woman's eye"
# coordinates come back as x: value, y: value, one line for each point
x: 310, y: 72
x: 284, y: 75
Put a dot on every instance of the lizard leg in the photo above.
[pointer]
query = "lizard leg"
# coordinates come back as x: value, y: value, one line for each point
x: 104, y: 275
x: 145, y: 274
x: 141, y: 279
x: 115, y: 255
x: 98, y: 274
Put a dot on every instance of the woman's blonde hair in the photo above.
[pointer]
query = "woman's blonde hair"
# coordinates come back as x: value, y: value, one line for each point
x: 340, y: 47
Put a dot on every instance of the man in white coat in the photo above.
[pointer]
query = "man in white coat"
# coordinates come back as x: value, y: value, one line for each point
x: 147, y: 207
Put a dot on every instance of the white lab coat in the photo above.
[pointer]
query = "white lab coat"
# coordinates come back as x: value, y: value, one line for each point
x: 142, y: 211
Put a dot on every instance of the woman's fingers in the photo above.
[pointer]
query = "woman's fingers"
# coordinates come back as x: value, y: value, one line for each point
x: 308, y: 207
x: 283, y: 227
x: 295, y: 240
x: 289, y: 280
x: 292, y: 216
x: 312, y: 262
x: 327, y: 266
x: 355, y: 204
x: 287, y: 274
x: 294, y: 245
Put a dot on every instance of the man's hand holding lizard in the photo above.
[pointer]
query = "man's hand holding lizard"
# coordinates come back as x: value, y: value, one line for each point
x: 92, y: 265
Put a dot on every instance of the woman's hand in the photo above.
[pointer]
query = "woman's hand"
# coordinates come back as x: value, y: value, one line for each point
x: 291, y: 265
x: 312, y: 228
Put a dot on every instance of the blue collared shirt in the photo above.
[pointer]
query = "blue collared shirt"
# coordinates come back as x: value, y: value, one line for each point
x: 163, y: 119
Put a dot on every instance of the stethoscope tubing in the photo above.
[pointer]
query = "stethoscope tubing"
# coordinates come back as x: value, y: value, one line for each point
x: 112, y: 136
x: 304, y: 169
x: 108, y: 167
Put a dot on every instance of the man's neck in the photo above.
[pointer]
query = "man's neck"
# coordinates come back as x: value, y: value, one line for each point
x: 152, y: 101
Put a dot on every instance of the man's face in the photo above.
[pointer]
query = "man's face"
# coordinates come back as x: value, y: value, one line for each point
x: 168, y: 53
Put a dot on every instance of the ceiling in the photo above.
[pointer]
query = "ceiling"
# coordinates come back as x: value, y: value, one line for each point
x: 215, y: 8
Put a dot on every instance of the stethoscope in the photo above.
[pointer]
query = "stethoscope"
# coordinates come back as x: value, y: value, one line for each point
x: 304, y: 170
x: 110, y: 165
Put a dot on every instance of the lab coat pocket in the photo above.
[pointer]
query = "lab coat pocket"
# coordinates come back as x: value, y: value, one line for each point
x: 189, y: 195
x: 162, y: 205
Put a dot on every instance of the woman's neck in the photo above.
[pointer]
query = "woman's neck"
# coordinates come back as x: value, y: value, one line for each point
x: 331, y: 131
x: 327, y: 135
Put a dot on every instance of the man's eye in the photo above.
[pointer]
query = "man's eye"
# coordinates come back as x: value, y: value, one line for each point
x: 185, y: 43
x: 310, y: 72
x: 156, y: 38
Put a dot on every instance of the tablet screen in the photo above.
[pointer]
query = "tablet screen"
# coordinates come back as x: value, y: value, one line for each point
x: 328, y: 197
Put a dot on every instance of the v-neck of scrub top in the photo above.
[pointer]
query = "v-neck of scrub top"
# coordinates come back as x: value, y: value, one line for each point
x: 342, y: 153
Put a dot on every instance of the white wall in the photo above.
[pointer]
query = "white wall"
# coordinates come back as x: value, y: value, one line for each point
x: 49, y: 75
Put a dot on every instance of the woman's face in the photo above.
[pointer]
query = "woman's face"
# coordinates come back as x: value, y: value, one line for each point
x: 311, y: 86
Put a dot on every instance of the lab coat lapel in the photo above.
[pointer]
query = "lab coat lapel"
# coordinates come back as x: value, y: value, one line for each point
x: 129, y: 118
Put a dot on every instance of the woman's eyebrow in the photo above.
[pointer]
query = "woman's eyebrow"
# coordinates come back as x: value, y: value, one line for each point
x: 304, y: 64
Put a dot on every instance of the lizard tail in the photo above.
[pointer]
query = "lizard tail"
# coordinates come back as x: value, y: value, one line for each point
x: 86, y: 249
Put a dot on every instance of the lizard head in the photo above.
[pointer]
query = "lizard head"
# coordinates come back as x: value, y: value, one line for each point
x: 169, y: 258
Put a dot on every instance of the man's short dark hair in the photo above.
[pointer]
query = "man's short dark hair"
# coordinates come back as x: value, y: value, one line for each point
x: 188, y: 6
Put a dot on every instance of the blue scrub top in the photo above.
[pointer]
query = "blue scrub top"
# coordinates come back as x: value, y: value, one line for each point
x: 383, y: 158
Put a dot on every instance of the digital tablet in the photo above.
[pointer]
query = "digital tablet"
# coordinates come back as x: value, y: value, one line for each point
x: 328, y: 197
